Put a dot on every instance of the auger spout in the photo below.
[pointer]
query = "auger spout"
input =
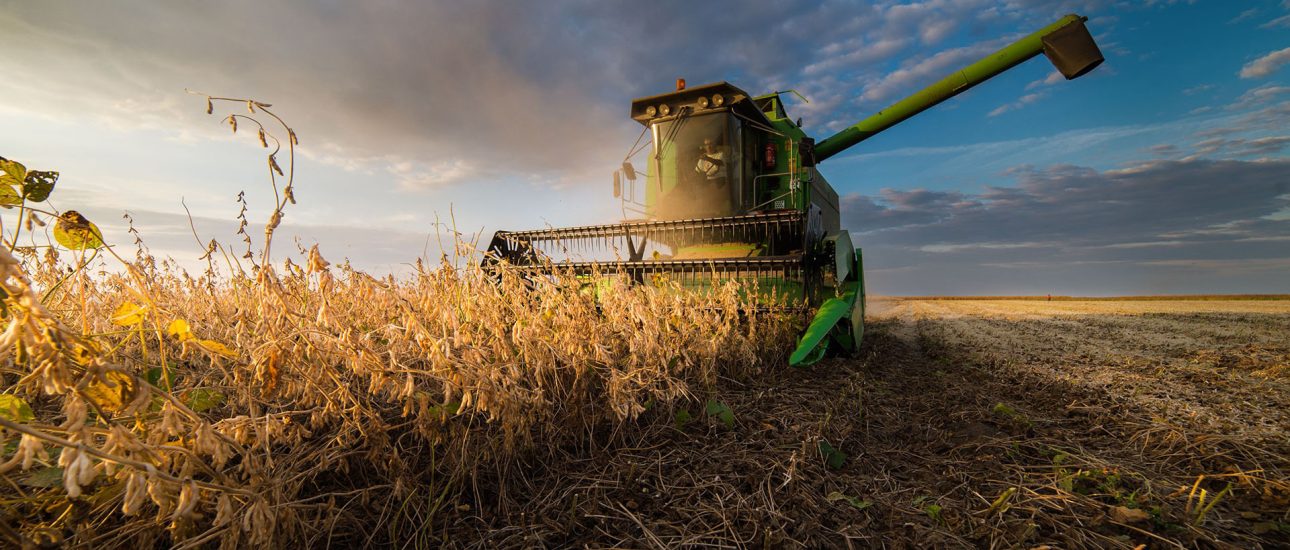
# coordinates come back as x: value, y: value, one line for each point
x: 1067, y: 43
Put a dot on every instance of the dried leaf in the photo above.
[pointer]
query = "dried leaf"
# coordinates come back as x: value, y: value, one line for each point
x: 113, y: 393
x: 129, y: 314
x: 270, y: 372
x: 1121, y: 514
x: 216, y: 347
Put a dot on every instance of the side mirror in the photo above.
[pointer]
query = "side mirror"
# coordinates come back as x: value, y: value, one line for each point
x: 629, y: 171
x: 618, y: 184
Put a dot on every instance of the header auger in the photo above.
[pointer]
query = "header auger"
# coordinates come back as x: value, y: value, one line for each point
x: 732, y: 192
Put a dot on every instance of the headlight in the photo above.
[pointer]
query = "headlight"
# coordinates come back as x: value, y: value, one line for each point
x: 703, y: 102
x: 651, y: 111
x: 718, y: 100
x: 664, y: 110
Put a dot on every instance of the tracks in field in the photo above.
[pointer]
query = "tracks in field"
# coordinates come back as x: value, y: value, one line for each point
x: 940, y: 416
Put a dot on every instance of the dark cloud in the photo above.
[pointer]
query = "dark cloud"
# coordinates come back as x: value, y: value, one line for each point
x: 1240, y: 147
x: 1154, y: 216
x: 465, y: 91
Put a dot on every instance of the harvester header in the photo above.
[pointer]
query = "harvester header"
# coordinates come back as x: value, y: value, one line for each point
x: 731, y: 191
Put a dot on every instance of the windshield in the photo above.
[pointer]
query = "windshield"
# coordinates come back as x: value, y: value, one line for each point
x: 695, y: 166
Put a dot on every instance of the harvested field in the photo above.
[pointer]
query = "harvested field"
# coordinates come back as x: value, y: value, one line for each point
x: 965, y: 424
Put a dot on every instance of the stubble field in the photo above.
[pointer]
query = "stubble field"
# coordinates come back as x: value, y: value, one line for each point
x: 969, y: 423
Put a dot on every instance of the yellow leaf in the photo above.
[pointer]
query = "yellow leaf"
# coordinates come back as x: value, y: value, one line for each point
x: 179, y: 328
x: 129, y: 314
x: 216, y: 347
x: 77, y: 233
x: 114, y: 394
x: 15, y: 409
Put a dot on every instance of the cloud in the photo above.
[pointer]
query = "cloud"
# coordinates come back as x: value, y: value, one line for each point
x: 1019, y: 103
x: 417, y: 176
x: 1200, y: 88
x: 1247, y: 14
x: 923, y: 71
x: 1265, y: 65
x: 1240, y: 147
x: 856, y: 54
x: 1283, y: 21
x: 1081, y: 205
x: 441, y: 83
x: 1052, y: 78
x: 1196, y: 209
x: 1258, y: 96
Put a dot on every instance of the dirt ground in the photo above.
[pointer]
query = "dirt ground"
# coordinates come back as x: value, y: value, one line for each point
x: 976, y: 424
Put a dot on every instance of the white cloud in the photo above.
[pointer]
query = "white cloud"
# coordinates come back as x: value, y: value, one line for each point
x: 1052, y: 78
x: 922, y: 71
x: 1258, y: 96
x: 1283, y: 21
x: 1266, y: 65
x: 411, y: 176
x: 1244, y: 15
x: 1200, y: 88
x: 858, y: 54
x: 1019, y: 103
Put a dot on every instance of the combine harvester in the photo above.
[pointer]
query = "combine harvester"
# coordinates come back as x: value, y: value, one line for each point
x: 733, y: 192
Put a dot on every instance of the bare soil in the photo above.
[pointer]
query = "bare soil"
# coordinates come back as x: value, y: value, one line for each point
x: 975, y: 424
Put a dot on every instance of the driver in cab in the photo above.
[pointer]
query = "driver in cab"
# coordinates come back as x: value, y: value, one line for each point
x: 712, y: 163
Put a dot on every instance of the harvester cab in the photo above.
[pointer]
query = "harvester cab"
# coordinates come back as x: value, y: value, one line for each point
x: 731, y: 190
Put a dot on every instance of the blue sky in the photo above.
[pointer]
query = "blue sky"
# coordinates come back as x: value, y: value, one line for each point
x: 506, y: 116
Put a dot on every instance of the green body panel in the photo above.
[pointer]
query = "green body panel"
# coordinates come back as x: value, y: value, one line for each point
x: 840, y: 321
x: 814, y: 341
x: 950, y: 86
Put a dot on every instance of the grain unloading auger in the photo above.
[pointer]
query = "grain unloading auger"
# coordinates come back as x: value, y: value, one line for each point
x: 732, y: 192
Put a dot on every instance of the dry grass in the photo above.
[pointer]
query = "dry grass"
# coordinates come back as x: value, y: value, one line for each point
x: 304, y: 405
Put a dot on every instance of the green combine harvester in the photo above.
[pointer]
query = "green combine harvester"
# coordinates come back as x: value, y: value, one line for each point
x: 732, y: 191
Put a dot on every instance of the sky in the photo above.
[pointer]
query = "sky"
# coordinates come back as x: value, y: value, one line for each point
x: 1163, y: 171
